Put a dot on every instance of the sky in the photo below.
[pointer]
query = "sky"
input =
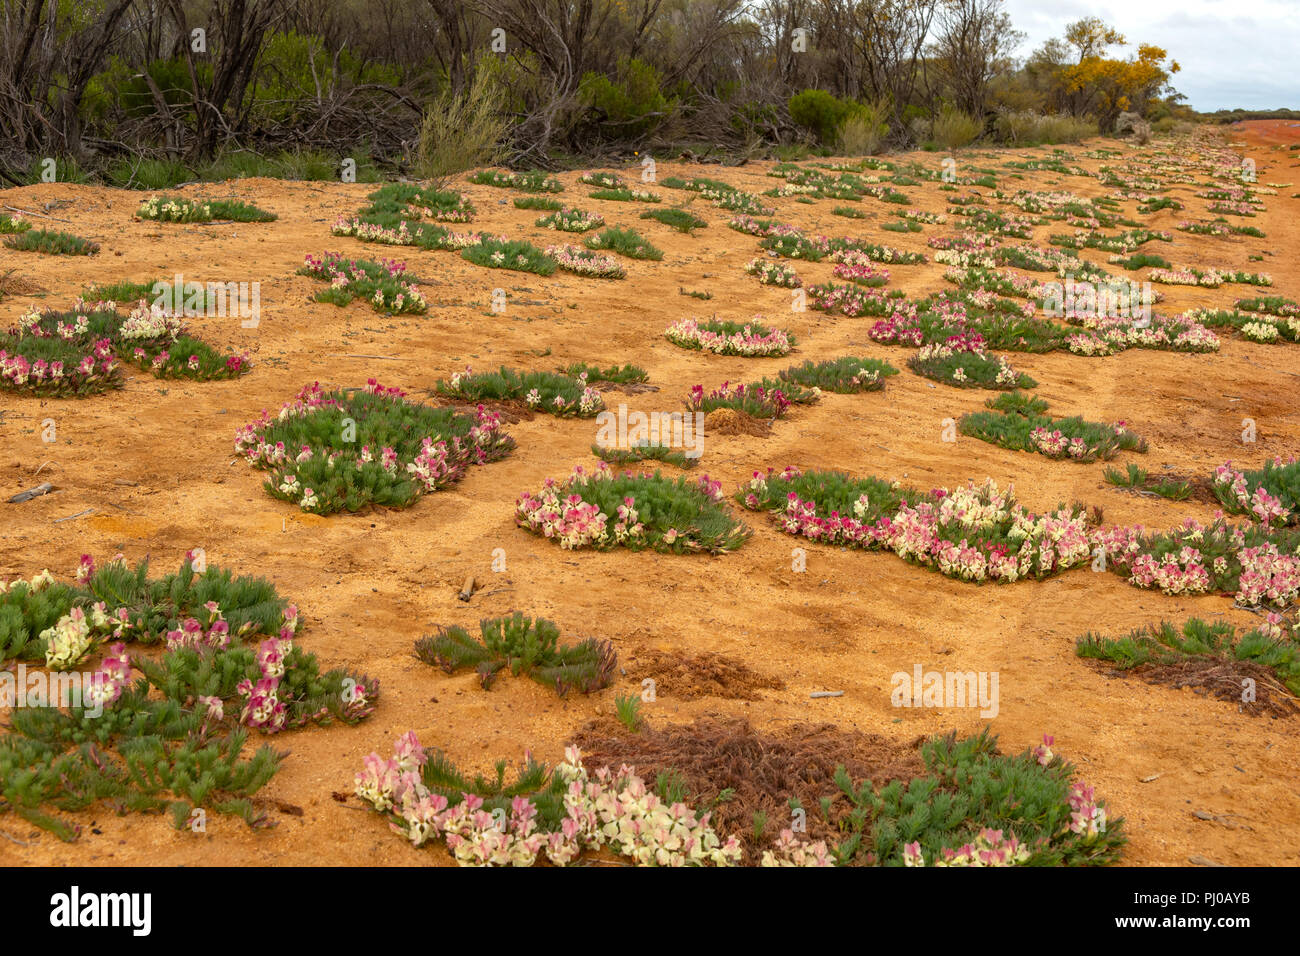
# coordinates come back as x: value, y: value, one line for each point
x: 1233, y: 53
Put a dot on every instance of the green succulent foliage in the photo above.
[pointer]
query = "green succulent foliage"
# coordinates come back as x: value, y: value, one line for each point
x: 627, y: 374
x: 969, y: 787
x: 367, y: 279
x: 978, y: 370
x: 621, y: 457
x: 679, y: 219
x: 846, y: 375
x: 534, y: 780
x: 157, y: 748
x: 509, y: 385
x: 1013, y: 417
x: 1218, y: 540
x: 534, y: 181
x: 514, y: 254
x: 1139, y: 479
x: 50, y: 242
x: 832, y: 492
x: 1166, y: 643
x: 1282, y: 481
x: 626, y: 242
x: 354, y: 419
x: 524, y: 646
x: 181, y: 209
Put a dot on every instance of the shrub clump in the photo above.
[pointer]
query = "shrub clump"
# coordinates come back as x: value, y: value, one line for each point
x: 50, y: 242
x: 383, y: 284
x: 78, y: 353
x: 524, y: 646
x: 846, y: 375
x: 179, y: 209
x: 1019, y: 422
x: 346, y: 450
x: 962, y: 362
x: 555, y: 393
x: 722, y: 337
x: 606, y: 510
x: 173, y: 738
x: 976, y: 533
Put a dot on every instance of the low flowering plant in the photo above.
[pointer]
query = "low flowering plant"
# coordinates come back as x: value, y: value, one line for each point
x: 722, y: 337
x: 1019, y: 422
x: 230, y: 666
x: 564, y: 394
x: 348, y: 450
x: 771, y: 272
x: 383, y: 284
x: 585, y: 262
x: 604, y: 510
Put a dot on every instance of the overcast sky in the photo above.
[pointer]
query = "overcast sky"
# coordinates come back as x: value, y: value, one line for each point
x: 1233, y: 52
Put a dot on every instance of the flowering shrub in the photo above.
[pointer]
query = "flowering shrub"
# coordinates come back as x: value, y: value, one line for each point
x: 562, y: 813
x: 514, y: 254
x: 603, y: 180
x: 961, y: 361
x: 978, y: 807
x: 79, y: 352
x: 1210, y: 278
x: 1108, y: 335
x: 383, y: 284
x: 773, y: 273
x: 529, y: 182
x: 396, y: 213
x: 627, y: 242
x: 10, y: 224
x: 846, y: 375
x: 857, y: 267
x: 551, y: 392
x: 179, y: 209
x: 756, y: 400
x: 852, y: 300
x: 230, y: 665
x: 1269, y: 305
x: 722, y: 337
x: 584, y: 262
x: 626, y: 194
x: 1270, y: 495
x: 571, y: 220
x: 522, y: 646
x: 1018, y: 422
x: 605, y: 510
x: 972, y: 533
x: 1256, y: 565
x: 347, y: 450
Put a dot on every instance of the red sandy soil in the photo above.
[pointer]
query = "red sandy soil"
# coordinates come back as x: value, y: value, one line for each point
x: 155, y: 464
x: 1267, y: 132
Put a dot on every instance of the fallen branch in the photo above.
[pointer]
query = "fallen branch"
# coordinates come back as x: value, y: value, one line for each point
x: 42, y: 489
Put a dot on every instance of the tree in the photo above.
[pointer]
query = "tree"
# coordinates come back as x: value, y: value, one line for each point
x: 974, y: 44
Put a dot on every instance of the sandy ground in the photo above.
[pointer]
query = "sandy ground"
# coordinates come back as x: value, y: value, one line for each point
x: 155, y: 464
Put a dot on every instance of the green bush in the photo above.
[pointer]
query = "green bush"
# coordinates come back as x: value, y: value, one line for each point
x: 822, y: 113
x: 629, y: 105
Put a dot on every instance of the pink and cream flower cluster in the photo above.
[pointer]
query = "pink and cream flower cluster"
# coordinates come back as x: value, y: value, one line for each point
x: 688, y: 333
x: 604, y: 810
